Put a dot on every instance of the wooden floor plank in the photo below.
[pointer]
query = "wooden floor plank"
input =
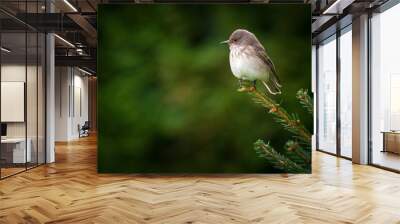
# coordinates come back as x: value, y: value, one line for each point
x: 71, y: 191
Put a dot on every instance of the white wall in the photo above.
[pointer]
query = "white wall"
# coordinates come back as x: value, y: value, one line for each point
x: 16, y: 72
x: 12, y: 73
x: 33, y: 127
x: 80, y: 105
x: 62, y: 81
x: 71, y: 102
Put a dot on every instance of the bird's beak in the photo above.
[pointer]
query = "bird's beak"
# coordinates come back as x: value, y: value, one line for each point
x: 224, y: 42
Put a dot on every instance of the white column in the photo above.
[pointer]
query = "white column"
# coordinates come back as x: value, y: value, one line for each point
x: 360, y: 90
x: 50, y: 99
x: 50, y: 92
x: 62, y: 103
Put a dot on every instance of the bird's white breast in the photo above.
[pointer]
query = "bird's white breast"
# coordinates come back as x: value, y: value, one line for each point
x: 247, y: 66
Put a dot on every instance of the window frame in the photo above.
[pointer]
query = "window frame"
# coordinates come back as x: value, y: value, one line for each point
x: 380, y: 9
x: 339, y: 32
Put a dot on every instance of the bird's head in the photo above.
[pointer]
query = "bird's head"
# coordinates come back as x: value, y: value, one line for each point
x: 240, y: 37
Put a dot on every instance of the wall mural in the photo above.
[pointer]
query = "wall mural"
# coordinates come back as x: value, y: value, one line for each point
x: 204, y: 88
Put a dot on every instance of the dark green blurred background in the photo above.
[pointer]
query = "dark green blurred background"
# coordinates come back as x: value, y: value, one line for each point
x: 167, y: 97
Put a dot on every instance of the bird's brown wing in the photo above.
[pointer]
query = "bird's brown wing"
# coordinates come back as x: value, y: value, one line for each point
x: 273, y: 83
x: 262, y: 54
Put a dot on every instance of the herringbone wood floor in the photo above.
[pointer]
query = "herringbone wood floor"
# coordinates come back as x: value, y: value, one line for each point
x: 70, y: 191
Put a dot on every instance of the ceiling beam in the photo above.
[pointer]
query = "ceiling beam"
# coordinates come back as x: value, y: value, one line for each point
x: 49, y: 22
x: 82, y: 61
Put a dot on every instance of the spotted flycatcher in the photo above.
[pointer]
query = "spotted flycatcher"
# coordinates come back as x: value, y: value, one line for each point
x: 249, y: 61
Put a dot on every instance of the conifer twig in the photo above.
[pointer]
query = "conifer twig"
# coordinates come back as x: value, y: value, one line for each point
x: 277, y: 160
x: 293, y: 158
x: 293, y: 146
x: 289, y: 122
x: 305, y: 100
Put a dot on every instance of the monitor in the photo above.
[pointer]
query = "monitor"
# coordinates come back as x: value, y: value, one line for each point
x: 3, y: 129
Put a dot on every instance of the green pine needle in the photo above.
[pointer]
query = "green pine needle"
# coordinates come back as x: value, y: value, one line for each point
x: 294, y: 158
x: 279, y: 161
x: 290, y: 122
x: 295, y: 152
x: 305, y: 100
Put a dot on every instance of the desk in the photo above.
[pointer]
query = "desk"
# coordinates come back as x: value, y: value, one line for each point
x: 17, y: 150
x: 391, y: 141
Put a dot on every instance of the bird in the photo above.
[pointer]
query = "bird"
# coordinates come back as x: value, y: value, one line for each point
x: 249, y: 61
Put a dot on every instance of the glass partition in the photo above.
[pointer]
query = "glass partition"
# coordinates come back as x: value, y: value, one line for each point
x: 327, y: 95
x: 14, y: 153
x: 22, y: 91
x: 385, y: 89
x: 32, y: 85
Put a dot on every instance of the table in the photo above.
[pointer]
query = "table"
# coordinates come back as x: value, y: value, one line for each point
x: 391, y: 141
x: 17, y: 150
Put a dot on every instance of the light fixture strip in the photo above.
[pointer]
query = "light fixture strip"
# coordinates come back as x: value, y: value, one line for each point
x: 64, y: 40
x: 84, y: 71
x: 326, y: 11
x: 70, y: 5
x: 5, y: 50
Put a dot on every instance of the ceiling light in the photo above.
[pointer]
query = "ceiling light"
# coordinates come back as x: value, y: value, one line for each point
x: 80, y: 51
x: 333, y: 6
x: 337, y: 7
x: 70, y: 5
x: 84, y: 71
x: 5, y: 50
x: 65, y: 41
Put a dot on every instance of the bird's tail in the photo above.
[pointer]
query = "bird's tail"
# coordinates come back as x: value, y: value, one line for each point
x: 273, y: 86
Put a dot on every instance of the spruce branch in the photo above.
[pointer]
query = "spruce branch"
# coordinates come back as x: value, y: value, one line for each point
x: 301, y: 156
x: 290, y: 122
x: 293, y: 158
x: 279, y: 161
x: 305, y: 100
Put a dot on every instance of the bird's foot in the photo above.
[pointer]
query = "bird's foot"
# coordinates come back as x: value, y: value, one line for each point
x: 242, y: 89
x: 252, y: 88
x: 246, y: 89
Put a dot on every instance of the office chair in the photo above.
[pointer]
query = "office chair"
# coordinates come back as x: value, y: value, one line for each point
x: 84, y: 130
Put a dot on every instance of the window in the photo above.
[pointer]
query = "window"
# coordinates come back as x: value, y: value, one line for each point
x: 345, y: 92
x: 385, y: 88
x: 22, y: 78
x: 327, y: 95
